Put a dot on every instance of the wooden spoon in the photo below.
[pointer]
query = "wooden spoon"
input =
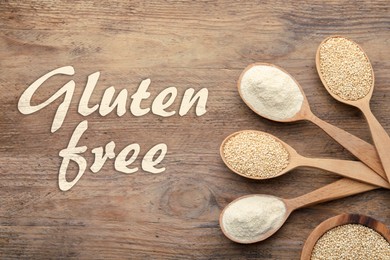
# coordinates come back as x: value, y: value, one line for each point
x: 361, y: 149
x: 380, y: 137
x: 351, y: 169
x: 340, y: 220
x: 338, y: 189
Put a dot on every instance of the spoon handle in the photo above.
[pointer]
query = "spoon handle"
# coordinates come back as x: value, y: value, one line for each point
x: 364, y: 151
x: 351, y: 169
x: 336, y: 190
x: 380, y: 137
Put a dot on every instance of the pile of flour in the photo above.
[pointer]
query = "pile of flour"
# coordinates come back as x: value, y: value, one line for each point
x: 271, y: 92
x: 249, y: 218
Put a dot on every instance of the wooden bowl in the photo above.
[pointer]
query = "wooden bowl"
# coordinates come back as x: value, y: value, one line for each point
x: 339, y: 221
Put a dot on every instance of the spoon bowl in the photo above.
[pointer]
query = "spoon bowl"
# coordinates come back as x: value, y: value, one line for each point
x: 327, y: 82
x: 301, y: 114
x: 290, y: 151
x: 251, y: 154
x: 270, y: 226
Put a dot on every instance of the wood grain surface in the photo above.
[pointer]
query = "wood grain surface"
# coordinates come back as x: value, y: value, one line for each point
x: 185, y: 44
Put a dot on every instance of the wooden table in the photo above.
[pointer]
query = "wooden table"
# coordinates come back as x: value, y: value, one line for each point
x: 184, y: 44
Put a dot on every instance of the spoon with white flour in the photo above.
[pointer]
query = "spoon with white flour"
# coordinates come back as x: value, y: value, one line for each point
x: 253, y: 218
x: 274, y: 94
x: 259, y: 155
x: 347, y: 75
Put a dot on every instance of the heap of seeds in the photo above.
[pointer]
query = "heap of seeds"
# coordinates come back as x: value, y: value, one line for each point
x: 345, y: 68
x: 255, y: 154
x: 351, y: 242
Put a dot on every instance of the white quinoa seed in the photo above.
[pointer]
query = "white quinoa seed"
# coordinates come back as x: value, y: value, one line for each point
x: 255, y: 154
x: 345, y: 68
x: 351, y: 242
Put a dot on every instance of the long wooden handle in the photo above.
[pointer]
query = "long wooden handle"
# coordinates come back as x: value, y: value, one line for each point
x: 336, y: 190
x: 380, y: 137
x: 351, y: 169
x: 364, y: 151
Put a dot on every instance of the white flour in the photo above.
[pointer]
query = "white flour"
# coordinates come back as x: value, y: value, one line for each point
x: 249, y: 218
x: 271, y: 92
